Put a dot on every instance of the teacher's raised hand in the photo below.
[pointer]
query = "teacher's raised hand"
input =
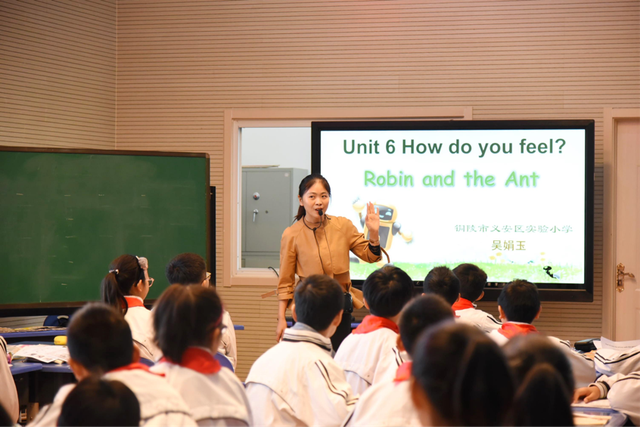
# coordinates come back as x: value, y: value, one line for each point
x: 372, y: 221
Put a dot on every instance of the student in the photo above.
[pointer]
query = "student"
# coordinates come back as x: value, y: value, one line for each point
x: 621, y: 390
x: 100, y: 344
x: 472, y: 281
x: 460, y: 377
x: 519, y: 306
x: 544, y: 380
x: 370, y: 355
x: 610, y: 361
x: 8, y: 394
x: 125, y: 287
x: 96, y: 402
x: 189, y: 324
x: 441, y: 281
x: 191, y: 269
x: 388, y: 403
x: 297, y: 382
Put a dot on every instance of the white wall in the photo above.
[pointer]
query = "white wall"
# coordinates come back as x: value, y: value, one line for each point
x: 282, y: 147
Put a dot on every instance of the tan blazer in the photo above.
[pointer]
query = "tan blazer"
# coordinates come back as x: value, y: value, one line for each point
x: 326, y: 252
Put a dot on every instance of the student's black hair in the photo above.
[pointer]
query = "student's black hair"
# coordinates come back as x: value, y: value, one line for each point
x: 186, y: 269
x: 97, y: 402
x: 545, y: 380
x: 520, y: 301
x: 99, y: 338
x: 441, y: 281
x: 318, y: 299
x: 5, y: 419
x: 464, y: 375
x: 186, y: 316
x: 419, y: 314
x: 387, y: 290
x: 124, y: 272
x: 306, y: 183
x: 472, y: 281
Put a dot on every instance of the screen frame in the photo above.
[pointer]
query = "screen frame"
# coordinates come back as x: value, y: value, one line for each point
x: 492, y: 290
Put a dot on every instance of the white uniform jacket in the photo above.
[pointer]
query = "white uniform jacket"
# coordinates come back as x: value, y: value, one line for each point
x: 610, y: 362
x: 140, y: 321
x: 297, y: 383
x: 370, y: 354
x: 584, y: 372
x: 8, y: 392
x: 215, y: 396
x: 623, y: 392
x: 160, y: 404
x: 467, y: 312
x: 388, y: 403
x: 228, y: 345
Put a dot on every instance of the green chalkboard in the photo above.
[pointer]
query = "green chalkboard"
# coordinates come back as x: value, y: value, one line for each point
x: 66, y: 214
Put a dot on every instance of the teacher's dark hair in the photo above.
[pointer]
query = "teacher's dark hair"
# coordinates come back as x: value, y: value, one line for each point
x: 305, y: 185
x: 124, y: 273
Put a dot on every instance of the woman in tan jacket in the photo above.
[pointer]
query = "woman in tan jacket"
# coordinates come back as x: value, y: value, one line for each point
x: 317, y: 243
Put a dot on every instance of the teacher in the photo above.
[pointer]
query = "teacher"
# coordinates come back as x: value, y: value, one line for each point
x: 317, y: 243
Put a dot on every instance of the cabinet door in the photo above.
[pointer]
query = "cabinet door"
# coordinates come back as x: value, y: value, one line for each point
x: 266, y: 209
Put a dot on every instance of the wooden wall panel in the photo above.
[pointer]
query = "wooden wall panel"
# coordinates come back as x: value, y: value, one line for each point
x: 182, y: 63
x: 58, y: 73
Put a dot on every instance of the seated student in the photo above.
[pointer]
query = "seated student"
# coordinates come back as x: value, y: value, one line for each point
x: 188, y: 321
x: 519, y: 306
x: 460, y: 377
x: 472, y: 281
x: 297, y: 382
x: 621, y: 390
x: 100, y: 344
x: 8, y: 392
x: 96, y: 402
x: 441, y: 281
x: 544, y: 380
x: 370, y: 354
x: 191, y: 269
x: 388, y: 403
x: 125, y: 287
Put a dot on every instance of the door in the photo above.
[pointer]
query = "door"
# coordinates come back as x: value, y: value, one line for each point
x: 627, y: 228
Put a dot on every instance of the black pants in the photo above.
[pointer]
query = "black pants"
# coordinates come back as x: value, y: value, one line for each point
x: 344, y: 329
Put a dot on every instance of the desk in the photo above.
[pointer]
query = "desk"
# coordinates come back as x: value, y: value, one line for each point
x: 39, y: 336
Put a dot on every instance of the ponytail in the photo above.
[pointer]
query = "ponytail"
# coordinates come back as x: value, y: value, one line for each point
x: 304, y: 186
x: 124, y: 272
x: 542, y: 387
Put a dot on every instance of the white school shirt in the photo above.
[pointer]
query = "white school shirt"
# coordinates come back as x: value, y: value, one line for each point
x: 160, y: 404
x: 8, y: 392
x: 610, y: 362
x: 214, y: 398
x: 583, y: 368
x: 467, y: 312
x: 370, y: 357
x: 140, y: 321
x: 623, y: 392
x: 297, y: 383
x: 228, y: 345
x: 388, y: 403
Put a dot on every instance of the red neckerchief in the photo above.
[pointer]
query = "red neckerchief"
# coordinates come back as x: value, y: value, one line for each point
x: 510, y: 330
x: 198, y: 360
x: 134, y: 367
x: 462, y: 304
x: 372, y: 323
x: 404, y: 372
x: 134, y: 302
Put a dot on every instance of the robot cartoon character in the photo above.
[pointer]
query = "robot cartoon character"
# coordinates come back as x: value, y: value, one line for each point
x: 389, y: 227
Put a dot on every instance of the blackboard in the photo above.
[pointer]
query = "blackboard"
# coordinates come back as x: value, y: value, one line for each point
x: 66, y: 214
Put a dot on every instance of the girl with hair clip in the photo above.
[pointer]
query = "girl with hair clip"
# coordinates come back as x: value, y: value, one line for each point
x: 459, y: 377
x: 125, y: 287
x: 544, y: 379
x: 317, y: 243
x: 188, y: 324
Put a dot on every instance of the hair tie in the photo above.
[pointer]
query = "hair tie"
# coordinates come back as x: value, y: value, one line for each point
x: 114, y: 271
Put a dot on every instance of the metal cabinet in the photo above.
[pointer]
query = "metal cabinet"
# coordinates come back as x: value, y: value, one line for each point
x: 269, y: 203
